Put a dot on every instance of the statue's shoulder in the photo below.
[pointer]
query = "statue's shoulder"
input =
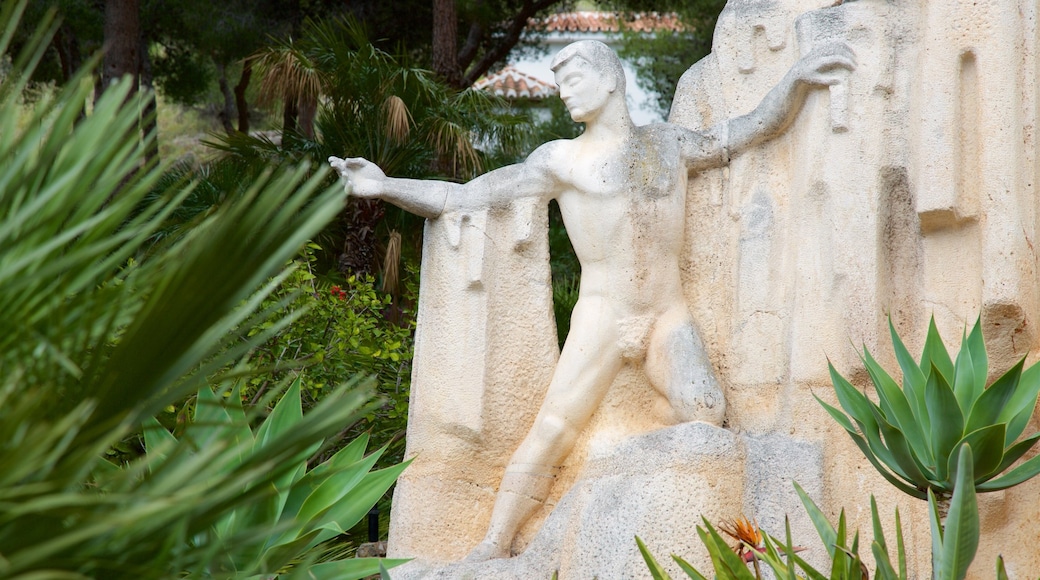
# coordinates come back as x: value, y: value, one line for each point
x: 550, y: 155
x: 552, y: 149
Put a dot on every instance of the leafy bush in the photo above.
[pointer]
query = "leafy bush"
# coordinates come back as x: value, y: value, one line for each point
x: 103, y: 329
x: 345, y: 329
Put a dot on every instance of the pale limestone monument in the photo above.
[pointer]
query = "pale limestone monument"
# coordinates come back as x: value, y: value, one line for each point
x: 723, y: 262
x: 622, y: 192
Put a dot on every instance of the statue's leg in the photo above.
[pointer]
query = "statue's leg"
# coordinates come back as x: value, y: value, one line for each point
x: 588, y: 364
x: 678, y: 367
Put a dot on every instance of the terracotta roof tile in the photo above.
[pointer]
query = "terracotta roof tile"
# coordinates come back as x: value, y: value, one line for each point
x: 513, y: 84
x: 608, y: 22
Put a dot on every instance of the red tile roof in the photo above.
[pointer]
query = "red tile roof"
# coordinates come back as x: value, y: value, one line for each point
x: 608, y: 22
x: 513, y: 84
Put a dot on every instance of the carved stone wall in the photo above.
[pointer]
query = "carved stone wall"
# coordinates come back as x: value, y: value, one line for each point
x: 909, y: 189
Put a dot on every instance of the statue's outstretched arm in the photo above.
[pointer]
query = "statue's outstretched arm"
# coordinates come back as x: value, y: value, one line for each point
x: 431, y: 198
x: 821, y: 67
x: 714, y: 146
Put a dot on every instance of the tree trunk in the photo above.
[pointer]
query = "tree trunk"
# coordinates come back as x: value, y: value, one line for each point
x: 308, y: 111
x: 240, y: 96
x: 229, y: 100
x: 67, y: 45
x: 122, y: 41
x: 289, y: 116
x: 149, y: 113
x: 445, y: 42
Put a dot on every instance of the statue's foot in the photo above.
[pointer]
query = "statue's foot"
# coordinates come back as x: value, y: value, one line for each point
x: 486, y: 551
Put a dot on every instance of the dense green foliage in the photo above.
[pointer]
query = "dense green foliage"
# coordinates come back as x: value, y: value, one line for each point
x: 106, y: 323
x: 309, y: 505
x: 346, y: 329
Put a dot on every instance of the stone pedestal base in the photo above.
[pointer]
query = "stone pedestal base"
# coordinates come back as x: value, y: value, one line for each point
x: 656, y: 486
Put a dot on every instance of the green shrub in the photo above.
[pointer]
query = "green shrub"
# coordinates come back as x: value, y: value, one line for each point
x: 103, y: 329
x: 340, y: 330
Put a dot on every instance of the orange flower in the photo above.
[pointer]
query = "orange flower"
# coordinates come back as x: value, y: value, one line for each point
x: 748, y: 537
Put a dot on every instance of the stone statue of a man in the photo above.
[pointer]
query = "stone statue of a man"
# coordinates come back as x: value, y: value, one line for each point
x: 622, y: 192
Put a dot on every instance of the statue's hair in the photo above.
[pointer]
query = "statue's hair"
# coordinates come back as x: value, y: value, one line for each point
x: 597, y: 54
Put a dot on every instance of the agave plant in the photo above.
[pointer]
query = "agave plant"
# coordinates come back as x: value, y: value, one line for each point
x: 303, y: 508
x: 913, y: 435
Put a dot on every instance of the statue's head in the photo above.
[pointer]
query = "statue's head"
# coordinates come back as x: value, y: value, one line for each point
x: 589, y: 75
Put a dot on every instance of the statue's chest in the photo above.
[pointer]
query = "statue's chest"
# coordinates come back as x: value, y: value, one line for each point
x: 642, y: 170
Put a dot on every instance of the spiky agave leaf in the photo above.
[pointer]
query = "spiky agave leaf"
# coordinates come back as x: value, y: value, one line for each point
x: 292, y: 513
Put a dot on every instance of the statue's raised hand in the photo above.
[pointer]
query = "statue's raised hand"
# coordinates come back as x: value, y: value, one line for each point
x: 364, y: 178
x: 825, y: 65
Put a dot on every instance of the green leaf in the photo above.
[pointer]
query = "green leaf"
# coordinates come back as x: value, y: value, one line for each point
x: 900, y: 548
x: 726, y: 563
x: 987, y: 446
x: 864, y: 412
x: 937, y: 534
x: 656, y: 571
x: 158, y: 442
x: 961, y: 535
x: 852, y: 401
x: 989, y: 407
x: 913, y: 380
x: 1023, y: 472
x: 840, y: 563
x: 946, y: 419
x: 979, y: 359
x: 810, y: 572
x: 964, y: 378
x: 838, y: 416
x: 1001, y: 571
x: 935, y: 356
x: 865, y: 448
x: 789, y: 548
x: 1015, y: 452
x: 329, y: 491
x: 885, y: 571
x: 900, y: 457
x: 898, y: 411
x: 823, y: 527
x: 879, y: 534
x: 351, y: 568
x: 688, y: 569
x: 352, y: 507
x: 277, y: 557
x: 1019, y: 409
x: 350, y: 454
x: 209, y: 422
x: 288, y: 412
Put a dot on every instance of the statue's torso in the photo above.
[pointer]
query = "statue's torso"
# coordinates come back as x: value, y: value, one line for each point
x: 624, y: 208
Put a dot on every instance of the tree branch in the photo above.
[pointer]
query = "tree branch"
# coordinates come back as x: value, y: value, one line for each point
x: 512, y: 37
x: 469, y: 50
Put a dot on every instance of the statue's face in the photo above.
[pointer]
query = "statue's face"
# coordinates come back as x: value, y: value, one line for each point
x: 584, y: 90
